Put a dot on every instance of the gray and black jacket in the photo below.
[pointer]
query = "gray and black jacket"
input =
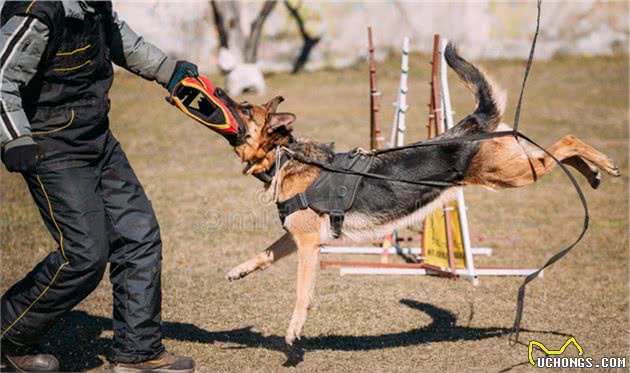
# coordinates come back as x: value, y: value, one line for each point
x: 56, y: 70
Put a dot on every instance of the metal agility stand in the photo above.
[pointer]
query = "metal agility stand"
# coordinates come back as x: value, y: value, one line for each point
x: 440, y: 120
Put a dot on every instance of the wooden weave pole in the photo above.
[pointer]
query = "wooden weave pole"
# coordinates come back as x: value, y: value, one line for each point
x: 376, y: 137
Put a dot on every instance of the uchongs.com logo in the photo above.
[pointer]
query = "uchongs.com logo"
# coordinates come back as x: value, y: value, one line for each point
x: 558, y: 358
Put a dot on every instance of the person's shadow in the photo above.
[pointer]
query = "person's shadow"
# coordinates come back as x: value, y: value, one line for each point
x: 77, y: 337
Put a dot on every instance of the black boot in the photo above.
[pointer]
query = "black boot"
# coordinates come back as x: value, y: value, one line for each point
x: 167, y: 363
x: 27, y: 359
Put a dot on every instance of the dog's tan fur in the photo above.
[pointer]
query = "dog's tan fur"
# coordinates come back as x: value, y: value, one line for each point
x: 502, y: 162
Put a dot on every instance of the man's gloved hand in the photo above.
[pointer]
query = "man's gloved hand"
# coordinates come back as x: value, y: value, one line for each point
x: 21, y: 157
x: 183, y: 69
x: 199, y: 99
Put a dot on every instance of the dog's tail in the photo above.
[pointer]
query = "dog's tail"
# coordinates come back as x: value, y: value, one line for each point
x: 490, y: 104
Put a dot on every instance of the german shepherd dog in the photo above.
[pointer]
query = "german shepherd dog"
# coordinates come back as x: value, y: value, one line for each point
x: 381, y: 206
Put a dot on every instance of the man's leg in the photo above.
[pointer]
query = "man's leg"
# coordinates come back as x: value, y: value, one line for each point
x: 136, y: 261
x: 136, y: 266
x: 70, y: 204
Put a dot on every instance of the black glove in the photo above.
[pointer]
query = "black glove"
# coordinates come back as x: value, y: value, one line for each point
x: 183, y: 69
x: 21, y: 158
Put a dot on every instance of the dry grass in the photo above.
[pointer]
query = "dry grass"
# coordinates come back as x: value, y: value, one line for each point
x: 212, y: 218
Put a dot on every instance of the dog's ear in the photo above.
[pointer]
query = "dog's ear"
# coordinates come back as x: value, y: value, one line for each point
x: 272, y: 105
x: 280, y: 122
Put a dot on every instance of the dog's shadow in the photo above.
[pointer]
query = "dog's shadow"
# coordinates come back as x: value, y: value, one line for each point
x: 78, y: 339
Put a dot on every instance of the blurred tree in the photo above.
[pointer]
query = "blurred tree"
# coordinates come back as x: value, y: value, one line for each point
x: 238, y: 52
x: 308, y: 41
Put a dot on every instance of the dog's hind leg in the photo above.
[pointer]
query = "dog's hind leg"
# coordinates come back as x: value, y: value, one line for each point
x: 503, y: 162
x: 282, y: 247
x: 590, y: 172
x: 570, y: 146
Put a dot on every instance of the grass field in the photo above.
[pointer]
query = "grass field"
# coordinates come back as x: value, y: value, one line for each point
x: 212, y: 218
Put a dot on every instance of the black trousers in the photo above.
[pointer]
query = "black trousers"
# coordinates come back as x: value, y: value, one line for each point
x: 97, y: 212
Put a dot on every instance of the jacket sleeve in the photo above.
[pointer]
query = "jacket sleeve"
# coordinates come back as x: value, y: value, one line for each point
x: 23, y: 40
x: 132, y: 52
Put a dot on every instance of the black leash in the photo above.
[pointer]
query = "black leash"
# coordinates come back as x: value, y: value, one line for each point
x: 559, y: 255
x: 449, y: 140
x: 517, y: 113
x: 326, y: 166
x: 479, y: 137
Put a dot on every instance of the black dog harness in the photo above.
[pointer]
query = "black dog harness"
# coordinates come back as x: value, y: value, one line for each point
x: 332, y: 192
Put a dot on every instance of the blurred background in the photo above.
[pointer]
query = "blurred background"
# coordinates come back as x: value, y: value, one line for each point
x: 290, y: 35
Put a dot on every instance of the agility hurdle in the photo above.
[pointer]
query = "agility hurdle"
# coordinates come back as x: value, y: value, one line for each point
x: 440, y: 120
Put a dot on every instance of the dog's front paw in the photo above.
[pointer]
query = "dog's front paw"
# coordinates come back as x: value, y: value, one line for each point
x: 235, y: 276
x: 237, y: 273
x: 295, y: 327
x: 291, y: 337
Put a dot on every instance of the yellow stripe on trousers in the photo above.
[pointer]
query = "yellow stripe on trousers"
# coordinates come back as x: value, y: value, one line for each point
x: 63, y: 254
x: 30, y: 6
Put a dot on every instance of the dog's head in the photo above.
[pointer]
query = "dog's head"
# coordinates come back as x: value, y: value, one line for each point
x: 264, y: 130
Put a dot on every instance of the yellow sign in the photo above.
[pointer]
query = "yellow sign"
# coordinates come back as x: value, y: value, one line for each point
x: 434, y: 238
x: 548, y: 352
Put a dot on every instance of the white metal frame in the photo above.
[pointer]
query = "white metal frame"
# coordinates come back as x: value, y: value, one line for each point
x: 399, y: 125
x: 489, y: 271
x: 445, y: 96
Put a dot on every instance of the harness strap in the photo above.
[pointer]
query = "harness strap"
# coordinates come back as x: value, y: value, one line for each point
x: 331, y: 193
x: 336, y: 218
x: 296, y: 203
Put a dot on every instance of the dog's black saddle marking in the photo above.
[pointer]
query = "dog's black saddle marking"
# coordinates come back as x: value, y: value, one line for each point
x: 331, y: 193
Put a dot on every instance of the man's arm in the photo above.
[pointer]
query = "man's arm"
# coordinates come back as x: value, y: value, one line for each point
x: 23, y: 40
x: 131, y: 51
